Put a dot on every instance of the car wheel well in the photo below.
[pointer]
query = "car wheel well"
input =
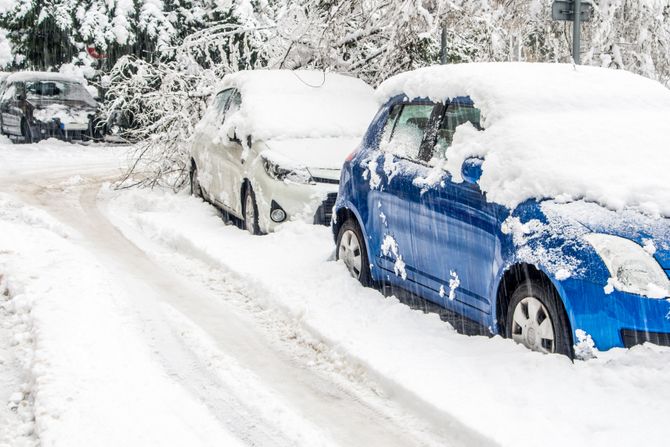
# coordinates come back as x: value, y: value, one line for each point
x: 243, y: 190
x: 342, y: 215
x: 513, y: 277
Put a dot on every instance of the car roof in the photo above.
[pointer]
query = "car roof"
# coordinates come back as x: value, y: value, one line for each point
x: 301, y: 103
x: 531, y: 86
x: 555, y: 131
x: 23, y: 76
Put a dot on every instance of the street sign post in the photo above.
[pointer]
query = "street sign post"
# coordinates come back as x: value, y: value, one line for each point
x: 566, y: 10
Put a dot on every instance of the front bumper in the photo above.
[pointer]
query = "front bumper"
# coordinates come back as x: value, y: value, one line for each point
x: 618, y: 319
x: 312, y: 203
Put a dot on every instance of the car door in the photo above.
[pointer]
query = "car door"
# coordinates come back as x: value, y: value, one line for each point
x: 11, y: 113
x: 455, y: 231
x: 392, y: 202
x: 229, y: 152
x: 205, y: 147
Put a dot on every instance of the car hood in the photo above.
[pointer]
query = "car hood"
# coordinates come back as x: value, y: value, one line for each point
x: 651, y: 232
x: 317, y: 154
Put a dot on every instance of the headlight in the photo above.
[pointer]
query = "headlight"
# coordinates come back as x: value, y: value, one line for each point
x: 295, y: 175
x: 632, y: 269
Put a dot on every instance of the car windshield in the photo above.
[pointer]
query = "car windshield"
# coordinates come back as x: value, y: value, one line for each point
x: 58, y: 90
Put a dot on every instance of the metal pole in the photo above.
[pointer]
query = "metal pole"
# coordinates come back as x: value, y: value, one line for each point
x: 443, y: 47
x: 576, y: 31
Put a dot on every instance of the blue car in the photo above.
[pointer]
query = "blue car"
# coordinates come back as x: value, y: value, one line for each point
x: 554, y: 273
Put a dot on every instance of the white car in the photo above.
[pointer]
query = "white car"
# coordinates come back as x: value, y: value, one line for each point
x: 271, y: 144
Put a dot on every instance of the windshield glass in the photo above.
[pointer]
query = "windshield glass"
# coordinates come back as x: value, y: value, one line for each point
x: 58, y: 90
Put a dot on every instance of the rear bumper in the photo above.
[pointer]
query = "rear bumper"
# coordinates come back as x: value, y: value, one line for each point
x: 63, y: 131
x: 324, y: 212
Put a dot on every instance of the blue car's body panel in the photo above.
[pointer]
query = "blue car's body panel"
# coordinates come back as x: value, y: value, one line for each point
x: 449, y: 232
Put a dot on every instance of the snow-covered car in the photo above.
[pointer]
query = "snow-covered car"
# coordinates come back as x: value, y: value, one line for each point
x: 532, y: 199
x: 271, y: 144
x: 37, y: 105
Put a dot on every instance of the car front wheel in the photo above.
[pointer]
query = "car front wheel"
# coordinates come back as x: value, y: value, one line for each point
x: 250, y: 211
x: 351, y: 250
x: 536, y: 319
x: 26, y: 132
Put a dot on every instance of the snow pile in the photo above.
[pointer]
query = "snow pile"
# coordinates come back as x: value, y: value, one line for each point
x: 554, y: 130
x: 300, y: 104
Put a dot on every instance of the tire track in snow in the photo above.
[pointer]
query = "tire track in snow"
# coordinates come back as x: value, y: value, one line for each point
x: 332, y: 407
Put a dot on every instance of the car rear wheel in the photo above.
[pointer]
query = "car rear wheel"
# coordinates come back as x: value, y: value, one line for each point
x: 536, y: 319
x: 351, y: 250
x: 250, y: 211
x: 196, y: 189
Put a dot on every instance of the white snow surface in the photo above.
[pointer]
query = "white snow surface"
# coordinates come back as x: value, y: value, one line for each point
x: 326, y: 153
x: 91, y: 344
x: 556, y: 131
x: 283, y: 104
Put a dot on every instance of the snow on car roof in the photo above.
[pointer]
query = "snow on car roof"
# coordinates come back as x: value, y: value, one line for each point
x: 302, y: 103
x: 23, y: 76
x: 556, y: 130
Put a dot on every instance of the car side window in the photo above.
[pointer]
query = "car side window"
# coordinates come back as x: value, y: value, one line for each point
x: 221, y: 103
x: 408, y: 130
x: 390, y: 123
x: 457, y: 113
x: 9, y: 93
x: 234, y: 103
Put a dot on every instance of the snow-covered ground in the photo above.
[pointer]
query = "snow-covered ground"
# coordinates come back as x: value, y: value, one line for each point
x: 138, y: 317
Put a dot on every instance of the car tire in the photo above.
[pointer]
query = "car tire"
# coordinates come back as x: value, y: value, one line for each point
x: 250, y: 211
x: 196, y: 189
x: 26, y: 132
x: 350, y: 248
x: 536, y: 319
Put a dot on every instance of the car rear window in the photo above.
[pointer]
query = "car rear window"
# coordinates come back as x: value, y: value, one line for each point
x: 58, y: 90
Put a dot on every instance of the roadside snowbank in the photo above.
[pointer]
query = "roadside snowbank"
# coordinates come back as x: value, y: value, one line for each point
x: 557, y: 131
x: 511, y: 395
x: 50, y: 156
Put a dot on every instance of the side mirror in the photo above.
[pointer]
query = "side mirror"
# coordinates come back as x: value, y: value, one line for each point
x: 232, y: 135
x: 471, y: 171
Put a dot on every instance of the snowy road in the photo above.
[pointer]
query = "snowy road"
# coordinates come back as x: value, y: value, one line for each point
x: 259, y: 379
x: 138, y: 318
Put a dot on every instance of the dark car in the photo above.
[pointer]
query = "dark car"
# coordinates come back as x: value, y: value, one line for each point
x: 38, y: 105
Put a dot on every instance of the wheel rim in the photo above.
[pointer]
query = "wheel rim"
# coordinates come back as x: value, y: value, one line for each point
x: 532, y: 326
x: 349, y: 252
x: 249, y: 214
